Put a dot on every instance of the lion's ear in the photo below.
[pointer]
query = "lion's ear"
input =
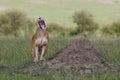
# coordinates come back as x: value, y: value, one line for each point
x: 39, y: 18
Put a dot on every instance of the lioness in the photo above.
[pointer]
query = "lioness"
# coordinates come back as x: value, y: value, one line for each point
x: 39, y: 41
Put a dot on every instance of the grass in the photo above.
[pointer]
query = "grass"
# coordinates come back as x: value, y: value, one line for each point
x: 14, y: 51
x: 17, y: 51
x: 57, y: 76
x: 62, y: 11
x: 110, y: 49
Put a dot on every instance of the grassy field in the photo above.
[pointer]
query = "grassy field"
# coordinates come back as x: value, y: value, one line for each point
x: 61, y: 11
x: 17, y: 52
x: 19, y: 49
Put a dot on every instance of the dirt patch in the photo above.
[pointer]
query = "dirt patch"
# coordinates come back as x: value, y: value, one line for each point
x: 79, y: 56
x: 78, y: 53
x: 3, y: 67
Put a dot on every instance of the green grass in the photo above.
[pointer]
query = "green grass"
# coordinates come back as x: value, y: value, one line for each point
x: 57, y: 76
x: 14, y: 51
x: 17, y: 51
x: 110, y: 49
x: 61, y: 11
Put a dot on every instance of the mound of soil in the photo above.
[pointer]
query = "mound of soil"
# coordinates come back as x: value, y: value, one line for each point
x: 78, y: 53
x: 78, y: 56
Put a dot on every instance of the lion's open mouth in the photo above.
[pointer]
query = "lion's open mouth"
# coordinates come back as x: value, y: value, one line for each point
x: 42, y: 24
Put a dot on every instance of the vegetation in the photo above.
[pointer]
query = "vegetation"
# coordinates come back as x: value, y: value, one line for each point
x: 112, y: 29
x: 18, y: 53
x: 15, y: 22
x: 60, y: 11
x: 85, y: 22
x: 55, y: 29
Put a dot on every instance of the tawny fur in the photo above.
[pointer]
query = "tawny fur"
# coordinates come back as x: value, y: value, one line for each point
x: 39, y: 44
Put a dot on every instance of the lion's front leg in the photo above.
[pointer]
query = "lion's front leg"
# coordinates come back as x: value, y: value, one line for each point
x: 35, y: 53
x: 43, y: 50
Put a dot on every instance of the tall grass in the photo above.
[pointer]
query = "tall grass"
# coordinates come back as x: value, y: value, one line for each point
x: 110, y: 48
x: 57, y: 76
x: 14, y: 51
x: 17, y: 51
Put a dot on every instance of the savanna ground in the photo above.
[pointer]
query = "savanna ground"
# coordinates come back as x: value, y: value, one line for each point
x: 16, y: 52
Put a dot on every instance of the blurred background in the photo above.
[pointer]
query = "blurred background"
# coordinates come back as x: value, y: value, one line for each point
x: 64, y: 17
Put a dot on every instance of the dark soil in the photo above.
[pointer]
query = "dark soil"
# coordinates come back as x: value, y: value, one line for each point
x: 3, y: 67
x: 79, y: 56
x: 79, y: 52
